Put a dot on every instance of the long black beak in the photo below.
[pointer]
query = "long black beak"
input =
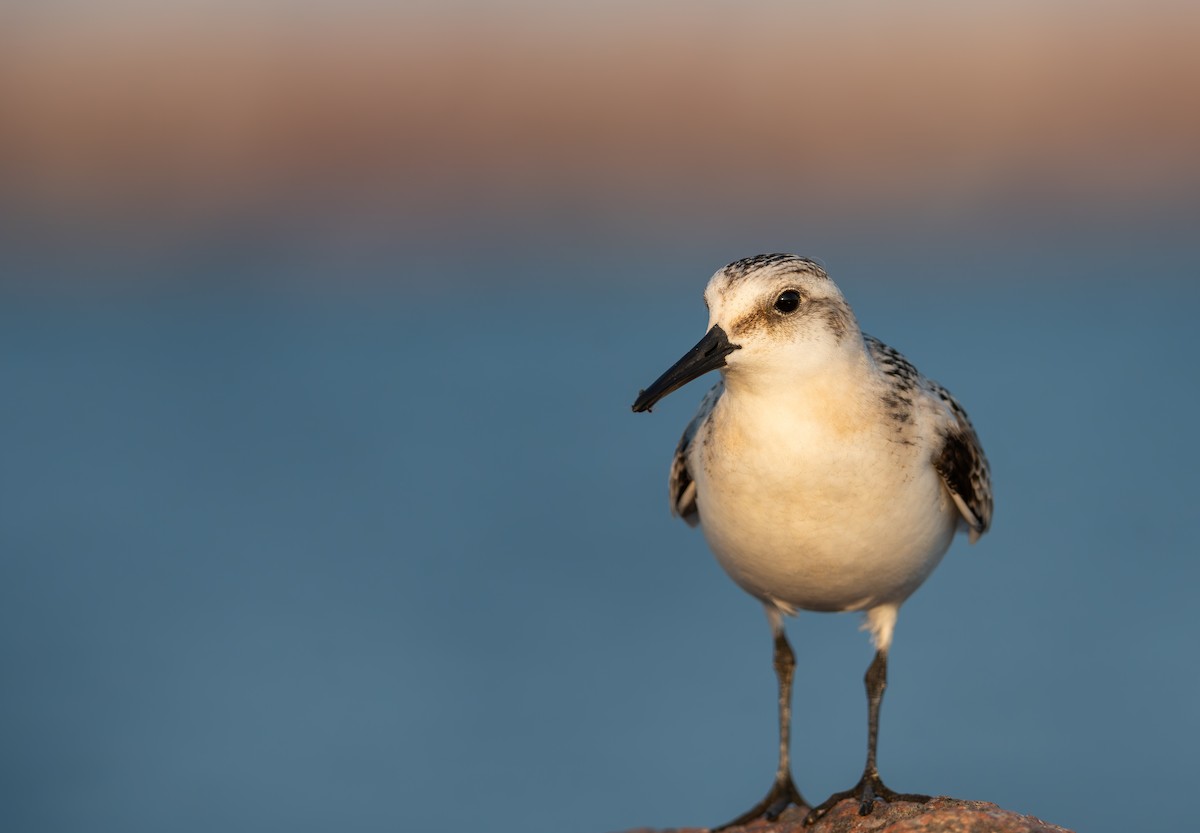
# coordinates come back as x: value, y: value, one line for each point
x: 708, y: 354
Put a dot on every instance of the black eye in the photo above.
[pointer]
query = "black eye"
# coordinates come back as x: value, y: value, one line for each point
x: 788, y: 301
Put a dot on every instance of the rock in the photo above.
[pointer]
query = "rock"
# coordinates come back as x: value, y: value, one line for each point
x: 940, y: 815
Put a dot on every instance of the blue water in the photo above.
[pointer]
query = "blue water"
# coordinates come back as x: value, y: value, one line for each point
x: 394, y: 560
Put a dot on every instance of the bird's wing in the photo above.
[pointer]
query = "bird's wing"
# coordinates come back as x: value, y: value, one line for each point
x: 959, y: 458
x: 963, y: 467
x: 681, y: 485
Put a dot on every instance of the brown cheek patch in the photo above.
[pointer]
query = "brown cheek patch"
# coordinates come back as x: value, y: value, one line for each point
x: 836, y: 317
x: 752, y: 322
x: 832, y: 314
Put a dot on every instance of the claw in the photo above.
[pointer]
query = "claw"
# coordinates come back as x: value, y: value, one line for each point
x: 783, y: 794
x: 869, y: 789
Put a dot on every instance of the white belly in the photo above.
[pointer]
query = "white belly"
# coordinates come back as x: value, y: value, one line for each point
x: 821, y: 519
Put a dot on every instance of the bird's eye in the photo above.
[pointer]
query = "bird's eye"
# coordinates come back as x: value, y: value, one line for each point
x: 788, y: 301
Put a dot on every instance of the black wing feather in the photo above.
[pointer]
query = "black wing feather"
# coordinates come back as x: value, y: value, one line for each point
x: 964, y: 467
x: 681, y: 486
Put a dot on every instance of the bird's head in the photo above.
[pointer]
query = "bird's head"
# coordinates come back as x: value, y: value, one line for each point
x: 769, y: 315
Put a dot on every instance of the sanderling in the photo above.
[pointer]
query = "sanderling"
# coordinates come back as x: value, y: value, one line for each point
x: 825, y: 471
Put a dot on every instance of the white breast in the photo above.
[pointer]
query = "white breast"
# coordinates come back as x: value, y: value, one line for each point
x: 820, y: 502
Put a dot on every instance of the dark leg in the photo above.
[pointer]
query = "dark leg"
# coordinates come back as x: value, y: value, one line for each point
x: 870, y: 787
x: 783, y: 792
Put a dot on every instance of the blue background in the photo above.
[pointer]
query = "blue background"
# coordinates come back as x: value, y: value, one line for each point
x: 398, y: 557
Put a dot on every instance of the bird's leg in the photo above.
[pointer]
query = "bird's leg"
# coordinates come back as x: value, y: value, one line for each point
x: 870, y: 787
x: 783, y: 792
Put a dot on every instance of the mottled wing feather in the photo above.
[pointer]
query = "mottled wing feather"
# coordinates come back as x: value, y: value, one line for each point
x: 960, y: 460
x: 893, y: 364
x: 681, y: 485
x: 964, y: 467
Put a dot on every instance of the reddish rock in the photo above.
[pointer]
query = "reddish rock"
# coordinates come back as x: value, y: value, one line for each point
x: 941, y: 815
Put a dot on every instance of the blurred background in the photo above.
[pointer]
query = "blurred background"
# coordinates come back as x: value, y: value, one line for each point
x: 321, y: 503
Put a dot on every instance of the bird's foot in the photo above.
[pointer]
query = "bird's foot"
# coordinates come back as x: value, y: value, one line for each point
x: 867, y: 791
x: 783, y: 794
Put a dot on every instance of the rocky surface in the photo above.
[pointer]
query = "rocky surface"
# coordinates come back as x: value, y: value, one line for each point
x: 941, y: 815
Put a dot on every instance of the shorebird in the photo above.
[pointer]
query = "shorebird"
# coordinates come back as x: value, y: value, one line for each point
x: 826, y: 473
